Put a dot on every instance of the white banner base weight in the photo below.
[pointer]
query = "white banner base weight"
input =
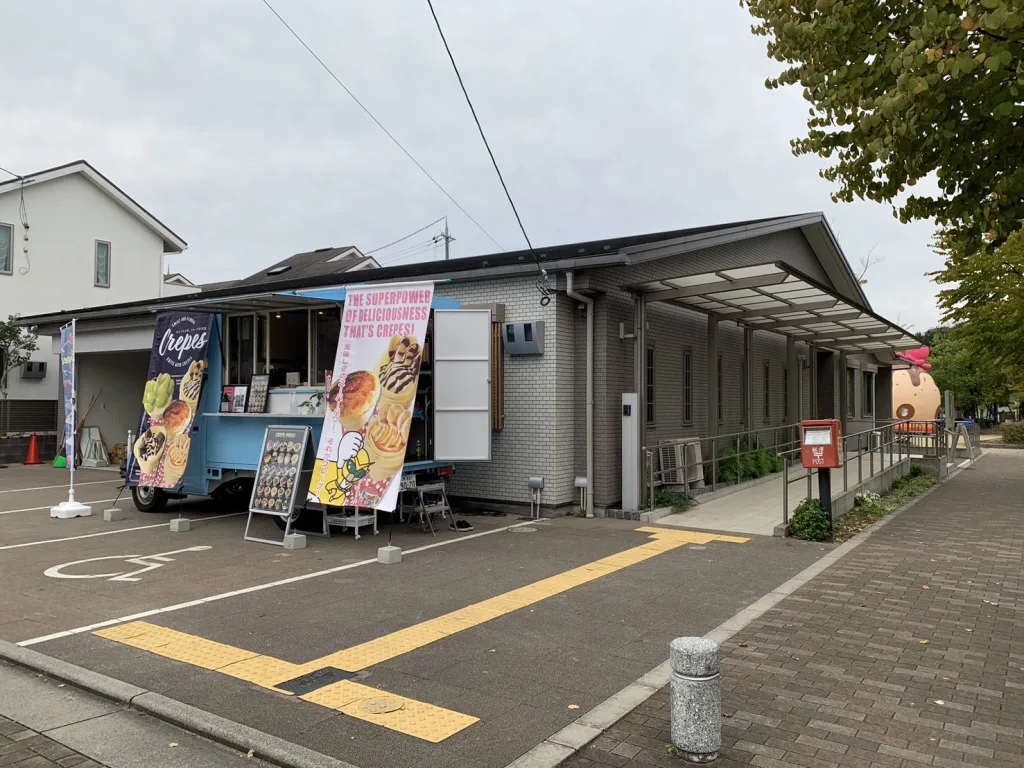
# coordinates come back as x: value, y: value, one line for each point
x: 69, y: 509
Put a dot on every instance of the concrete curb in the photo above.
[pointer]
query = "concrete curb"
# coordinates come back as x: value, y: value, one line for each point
x: 213, y: 727
x: 562, y: 745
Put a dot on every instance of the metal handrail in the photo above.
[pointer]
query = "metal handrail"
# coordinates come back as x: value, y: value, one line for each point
x: 740, y: 443
x: 878, y: 439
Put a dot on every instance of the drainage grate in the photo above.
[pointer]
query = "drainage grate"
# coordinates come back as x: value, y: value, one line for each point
x: 314, y: 681
x: 523, y: 529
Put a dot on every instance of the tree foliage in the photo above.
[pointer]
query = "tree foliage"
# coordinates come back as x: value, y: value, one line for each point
x: 963, y: 366
x: 904, y: 89
x: 16, y: 347
x: 983, y: 293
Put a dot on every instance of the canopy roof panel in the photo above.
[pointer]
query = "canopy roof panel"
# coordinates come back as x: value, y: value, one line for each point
x: 775, y: 297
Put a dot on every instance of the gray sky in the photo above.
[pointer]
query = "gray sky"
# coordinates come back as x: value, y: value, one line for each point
x: 608, y: 119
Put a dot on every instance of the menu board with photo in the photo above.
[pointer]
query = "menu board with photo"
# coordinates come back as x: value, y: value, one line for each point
x: 259, y: 386
x: 170, y: 399
x: 282, y: 462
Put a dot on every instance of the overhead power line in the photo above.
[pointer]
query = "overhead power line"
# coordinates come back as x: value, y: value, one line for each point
x: 379, y: 123
x: 396, y: 242
x: 542, y: 283
x: 12, y: 173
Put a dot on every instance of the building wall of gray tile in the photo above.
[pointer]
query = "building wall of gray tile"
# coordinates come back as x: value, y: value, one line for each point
x: 545, y: 397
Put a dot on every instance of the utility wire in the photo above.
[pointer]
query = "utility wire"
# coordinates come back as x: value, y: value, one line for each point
x: 379, y: 123
x: 395, y: 242
x: 542, y: 282
x: 12, y: 173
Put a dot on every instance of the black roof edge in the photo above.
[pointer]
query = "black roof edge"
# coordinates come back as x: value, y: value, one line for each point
x: 547, y: 256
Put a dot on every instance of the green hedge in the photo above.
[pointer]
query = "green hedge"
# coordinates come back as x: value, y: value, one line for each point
x: 747, y: 465
x: 1012, y: 432
x: 810, y: 522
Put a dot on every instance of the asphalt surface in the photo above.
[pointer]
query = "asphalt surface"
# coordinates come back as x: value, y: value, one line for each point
x: 525, y: 674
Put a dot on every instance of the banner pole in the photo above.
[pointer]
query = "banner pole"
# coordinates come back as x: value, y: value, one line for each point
x: 69, y: 379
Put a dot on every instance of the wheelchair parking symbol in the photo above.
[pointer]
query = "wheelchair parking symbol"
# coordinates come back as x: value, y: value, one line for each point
x: 147, y: 563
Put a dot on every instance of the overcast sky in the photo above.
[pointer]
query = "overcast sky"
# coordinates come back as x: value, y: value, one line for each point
x: 608, y: 119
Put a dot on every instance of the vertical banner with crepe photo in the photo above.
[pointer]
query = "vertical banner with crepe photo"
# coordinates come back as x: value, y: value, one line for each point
x: 370, y: 401
x: 170, y: 399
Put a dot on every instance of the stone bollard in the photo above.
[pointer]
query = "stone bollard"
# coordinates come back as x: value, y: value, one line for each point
x: 696, y: 699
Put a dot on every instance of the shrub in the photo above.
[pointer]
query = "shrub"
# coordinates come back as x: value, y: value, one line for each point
x: 866, y: 499
x: 809, y: 521
x: 678, y: 501
x: 1012, y: 432
x: 748, y: 465
x: 916, y: 470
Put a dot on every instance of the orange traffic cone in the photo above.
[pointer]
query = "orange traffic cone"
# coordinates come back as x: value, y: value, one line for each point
x: 33, y: 451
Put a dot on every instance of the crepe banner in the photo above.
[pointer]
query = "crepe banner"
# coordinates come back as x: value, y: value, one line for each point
x: 177, y: 366
x: 67, y: 375
x: 370, y: 401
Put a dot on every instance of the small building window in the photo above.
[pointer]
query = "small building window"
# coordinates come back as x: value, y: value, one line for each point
x: 785, y: 393
x: 851, y: 392
x: 102, y: 274
x: 650, y: 385
x: 869, y: 393
x: 744, y: 394
x: 767, y: 391
x: 687, y: 386
x: 6, y: 249
x: 721, y: 390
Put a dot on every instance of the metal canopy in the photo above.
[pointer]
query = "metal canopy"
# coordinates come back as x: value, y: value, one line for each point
x: 775, y: 297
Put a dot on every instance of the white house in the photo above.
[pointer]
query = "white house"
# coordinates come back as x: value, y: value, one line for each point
x: 70, y: 237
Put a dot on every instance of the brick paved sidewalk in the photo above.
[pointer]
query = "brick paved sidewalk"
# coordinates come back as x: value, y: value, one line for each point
x: 907, y: 652
x: 23, y: 748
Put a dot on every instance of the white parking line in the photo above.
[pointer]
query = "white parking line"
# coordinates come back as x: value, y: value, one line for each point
x: 258, y: 587
x: 111, y: 533
x: 51, y: 487
x: 51, y: 506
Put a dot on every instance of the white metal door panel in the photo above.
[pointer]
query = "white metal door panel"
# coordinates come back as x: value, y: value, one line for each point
x: 462, y: 384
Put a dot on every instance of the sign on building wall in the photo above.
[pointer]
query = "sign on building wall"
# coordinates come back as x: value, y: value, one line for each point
x: 170, y: 399
x: 67, y: 375
x: 370, y: 402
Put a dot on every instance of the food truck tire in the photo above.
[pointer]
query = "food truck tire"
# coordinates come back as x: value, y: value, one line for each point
x: 149, y: 499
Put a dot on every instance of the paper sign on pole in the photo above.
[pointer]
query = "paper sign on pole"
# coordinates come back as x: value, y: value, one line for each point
x: 370, y: 401
x: 177, y: 367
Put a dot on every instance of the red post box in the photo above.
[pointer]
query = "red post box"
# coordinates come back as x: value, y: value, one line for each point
x: 821, y: 444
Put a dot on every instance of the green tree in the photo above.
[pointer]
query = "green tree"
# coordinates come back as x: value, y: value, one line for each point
x: 16, y: 347
x: 907, y: 89
x: 964, y: 366
x: 983, y: 293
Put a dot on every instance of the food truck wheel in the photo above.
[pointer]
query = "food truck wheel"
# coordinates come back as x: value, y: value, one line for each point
x: 149, y: 499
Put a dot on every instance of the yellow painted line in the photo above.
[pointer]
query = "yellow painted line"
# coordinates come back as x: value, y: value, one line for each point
x: 411, y: 717
x: 415, y: 718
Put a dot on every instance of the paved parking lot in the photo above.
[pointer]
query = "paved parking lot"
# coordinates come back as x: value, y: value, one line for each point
x: 471, y: 651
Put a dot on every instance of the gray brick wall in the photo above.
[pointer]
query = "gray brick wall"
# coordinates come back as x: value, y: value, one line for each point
x: 539, y: 433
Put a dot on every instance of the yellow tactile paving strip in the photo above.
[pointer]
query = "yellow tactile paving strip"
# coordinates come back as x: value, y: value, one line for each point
x: 415, y: 718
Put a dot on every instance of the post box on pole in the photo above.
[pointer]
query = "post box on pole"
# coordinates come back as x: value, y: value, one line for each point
x: 821, y: 449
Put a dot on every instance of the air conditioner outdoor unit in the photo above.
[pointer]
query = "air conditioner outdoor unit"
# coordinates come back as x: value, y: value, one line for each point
x: 681, y: 464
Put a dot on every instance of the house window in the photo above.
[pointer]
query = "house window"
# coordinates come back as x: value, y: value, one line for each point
x: 6, y: 249
x: 650, y: 385
x: 767, y: 391
x: 869, y: 393
x: 102, y: 274
x: 328, y: 328
x: 785, y: 393
x: 744, y: 394
x: 851, y: 392
x: 721, y: 404
x: 687, y: 386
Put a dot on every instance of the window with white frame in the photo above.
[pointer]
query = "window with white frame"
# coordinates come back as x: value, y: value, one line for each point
x: 102, y: 264
x: 6, y: 249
